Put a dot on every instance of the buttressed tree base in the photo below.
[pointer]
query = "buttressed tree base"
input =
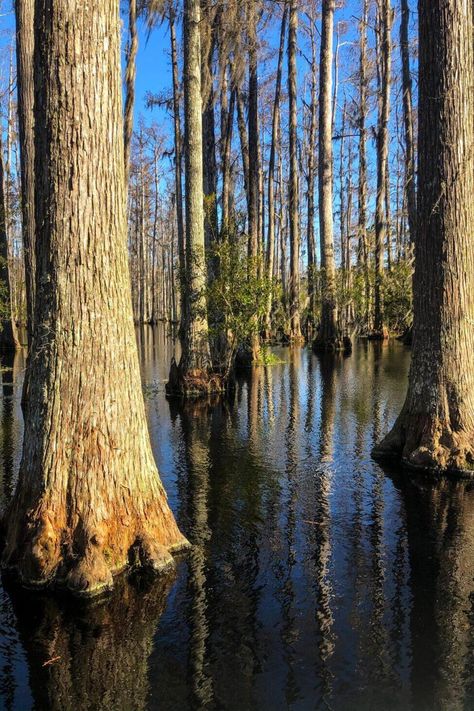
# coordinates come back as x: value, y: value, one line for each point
x: 89, y: 501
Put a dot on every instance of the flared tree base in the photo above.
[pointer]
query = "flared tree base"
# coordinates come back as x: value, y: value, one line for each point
x: 194, y: 384
x: 428, y: 445
x: 84, y: 560
x: 337, y: 344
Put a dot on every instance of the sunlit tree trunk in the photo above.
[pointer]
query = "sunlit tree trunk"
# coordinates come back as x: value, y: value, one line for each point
x: 311, y: 246
x: 384, y: 24
x: 89, y: 499
x: 24, y: 14
x: 435, y: 430
x: 329, y: 337
x: 410, y: 187
x: 193, y: 375
x: 130, y: 75
x: 295, y: 326
x: 271, y: 173
x: 363, y: 247
x: 8, y: 334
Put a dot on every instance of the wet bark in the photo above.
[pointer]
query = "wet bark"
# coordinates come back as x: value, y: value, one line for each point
x: 435, y: 430
x: 89, y: 501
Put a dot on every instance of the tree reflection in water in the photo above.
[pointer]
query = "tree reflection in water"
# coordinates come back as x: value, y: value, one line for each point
x: 316, y: 579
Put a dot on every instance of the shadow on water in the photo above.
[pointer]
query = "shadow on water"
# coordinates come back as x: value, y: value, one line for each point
x: 316, y: 579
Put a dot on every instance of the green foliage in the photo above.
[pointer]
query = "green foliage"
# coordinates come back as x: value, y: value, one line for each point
x: 267, y: 357
x: 397, y: 287
x: 236, y: 297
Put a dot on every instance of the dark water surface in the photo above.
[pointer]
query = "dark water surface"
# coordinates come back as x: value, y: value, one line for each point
x: 316, y: 580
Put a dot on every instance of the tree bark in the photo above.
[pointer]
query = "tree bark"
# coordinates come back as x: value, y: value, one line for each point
x: 24, y: 14
x: 363, y: 247
x: 295, y: 325
x: 310, y: 238
x: 8, y: 334
x: 410, y: 187
x: 384, y: 23
x: 89, y: 499
x: 193, y: 375
x: 329, y: 337
x: 435, y: 430
x: 271, y: 173
x: 130, y: 76
x: 178, y: 165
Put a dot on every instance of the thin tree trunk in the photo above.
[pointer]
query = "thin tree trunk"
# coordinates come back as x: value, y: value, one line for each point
x: 24, y: 14
x: 130, y: 76
x: 295, y: 325
x: 410, y: 187
x: 363, y: 247
x: 178, y: 165
x: 8, y: 334
x: 89, y: 498
x: 311, y: 247
x: 271, y: 174
x: 435, y: 430
x: 384, y: 24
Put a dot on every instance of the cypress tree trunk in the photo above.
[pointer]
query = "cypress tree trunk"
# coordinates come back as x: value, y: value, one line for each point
x: 363, y: 247
x: 193, y: 376
x: 329, y: 337
x: 435, y: 430
x: 295, y: 325
x: 384, y: 23
x: 8, y: 334
x: 130, y: 75
x: 24, y: 13
x: 271, y: 174
x: 310, y: 239
x: 410, y: 188
x: 89, y: 499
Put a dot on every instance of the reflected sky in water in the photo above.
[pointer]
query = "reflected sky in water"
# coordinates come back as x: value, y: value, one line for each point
x: 316, y: 579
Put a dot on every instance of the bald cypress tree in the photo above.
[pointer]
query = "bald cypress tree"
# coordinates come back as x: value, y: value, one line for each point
x: 89, y: 500
x: 435, y: 430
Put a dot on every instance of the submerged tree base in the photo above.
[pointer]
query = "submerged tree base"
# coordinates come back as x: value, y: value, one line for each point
x: 86, y: 558
x: 428, y: 445
x: 195, y: 383
x: 380, y: 335
x: 336, y: 344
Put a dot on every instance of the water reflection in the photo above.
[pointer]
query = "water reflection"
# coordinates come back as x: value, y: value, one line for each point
x: 316, y: 579
x: 91, y: 656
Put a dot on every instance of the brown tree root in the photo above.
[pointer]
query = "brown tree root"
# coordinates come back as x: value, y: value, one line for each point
x: 194, y: 383
x: 86, y: 560
x: 426, y: 444
x: 341, y: 344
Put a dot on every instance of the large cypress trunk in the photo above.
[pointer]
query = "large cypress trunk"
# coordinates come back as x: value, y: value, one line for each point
x: 89, y: 499
x: 435, y: 430
x: 329, y: 336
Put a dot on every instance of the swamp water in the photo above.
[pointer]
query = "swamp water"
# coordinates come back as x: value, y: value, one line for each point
x: 317, y: 580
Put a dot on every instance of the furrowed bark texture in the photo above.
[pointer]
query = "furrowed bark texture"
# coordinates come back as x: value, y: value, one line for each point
x: 329, y: 337
x: 89, y: 498
x: 435, y: 430
x: 24, y: 13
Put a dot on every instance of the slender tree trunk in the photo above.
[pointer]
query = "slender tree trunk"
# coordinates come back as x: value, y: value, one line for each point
x: 271, y: 174
x: 209, y: 137
x: 311, y: 247
x: 410, y: 187
x: 329, y: 337
x: 24, y: 14
x: 89, y: 498
x: 244, y: 144
x: 384, y: 24
x: 254, y: 163
x: 193, y: 375
x: 295, y: 325
x: 178, y: 165
x: 363, y: 247
x: 8, y: 334
x: 435, y: 430
x: 130, y: 76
